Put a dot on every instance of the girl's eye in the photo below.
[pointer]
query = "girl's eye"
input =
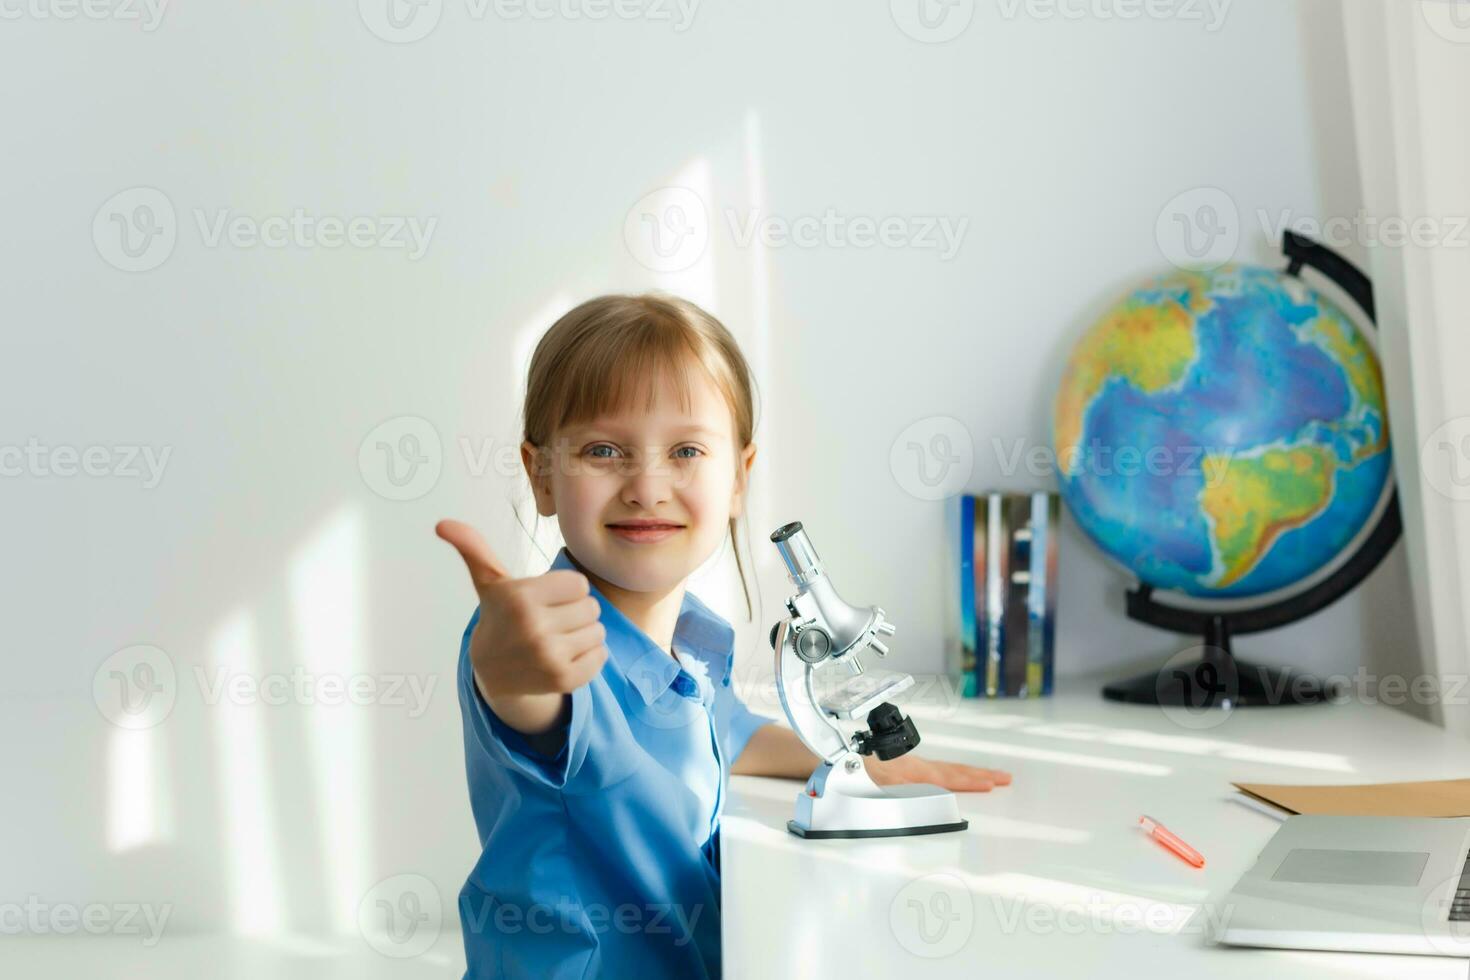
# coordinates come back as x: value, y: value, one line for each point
x: 694, y: 451
x: 593, y: 451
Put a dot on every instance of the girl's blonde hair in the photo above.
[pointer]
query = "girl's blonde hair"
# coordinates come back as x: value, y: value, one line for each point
x: 594, y: 360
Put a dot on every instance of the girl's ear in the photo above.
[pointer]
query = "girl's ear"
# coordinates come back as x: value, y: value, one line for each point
x: 742, y: 480
x: 537, y: 462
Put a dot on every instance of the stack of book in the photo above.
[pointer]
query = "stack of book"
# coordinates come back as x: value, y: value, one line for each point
x: 1002, y: 635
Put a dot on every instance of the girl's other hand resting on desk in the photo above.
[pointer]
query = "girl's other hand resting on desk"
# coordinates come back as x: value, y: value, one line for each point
x: 954, y: 776
x: 775, y: 750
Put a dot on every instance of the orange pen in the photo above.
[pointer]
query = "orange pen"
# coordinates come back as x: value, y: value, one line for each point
x: 1171, y: 840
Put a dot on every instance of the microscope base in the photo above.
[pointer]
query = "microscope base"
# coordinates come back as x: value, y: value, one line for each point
x: 939, y: 828
x: 843, y: 801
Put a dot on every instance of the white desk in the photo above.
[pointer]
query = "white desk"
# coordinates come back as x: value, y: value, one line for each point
x: 1053, y: 878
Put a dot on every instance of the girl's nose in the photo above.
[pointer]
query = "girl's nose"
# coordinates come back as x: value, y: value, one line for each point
x: 648, y: 485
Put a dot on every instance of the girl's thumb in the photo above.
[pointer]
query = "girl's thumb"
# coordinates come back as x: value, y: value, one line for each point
x: 483, y: 566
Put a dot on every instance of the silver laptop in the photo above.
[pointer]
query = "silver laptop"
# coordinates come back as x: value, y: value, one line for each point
x: 1367, y: 884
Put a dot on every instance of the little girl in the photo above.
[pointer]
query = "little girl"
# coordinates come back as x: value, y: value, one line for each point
x: 600, y: 727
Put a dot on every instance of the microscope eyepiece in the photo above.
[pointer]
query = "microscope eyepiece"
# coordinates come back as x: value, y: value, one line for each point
x: 785, y: 531
x: 802, y: 564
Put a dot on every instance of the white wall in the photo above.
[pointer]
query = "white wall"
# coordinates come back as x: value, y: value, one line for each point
x: 263, y: 370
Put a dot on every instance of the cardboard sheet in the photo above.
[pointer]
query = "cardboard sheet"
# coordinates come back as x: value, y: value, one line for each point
x: 1438, y: 798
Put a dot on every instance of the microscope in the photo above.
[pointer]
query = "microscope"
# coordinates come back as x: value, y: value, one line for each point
x: 822, y: 631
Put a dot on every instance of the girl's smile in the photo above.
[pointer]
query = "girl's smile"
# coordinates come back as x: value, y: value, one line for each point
x: 646, y: 530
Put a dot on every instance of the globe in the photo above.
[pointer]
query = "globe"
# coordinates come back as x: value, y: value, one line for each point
x: 1222, y: 433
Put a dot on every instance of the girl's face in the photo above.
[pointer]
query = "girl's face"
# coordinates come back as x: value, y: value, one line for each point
x: 604, y: 477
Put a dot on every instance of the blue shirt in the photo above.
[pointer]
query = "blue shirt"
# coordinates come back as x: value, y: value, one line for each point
x: 604, y: 859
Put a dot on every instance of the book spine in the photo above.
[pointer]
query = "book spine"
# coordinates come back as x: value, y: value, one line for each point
x: 1017, y: 538
x: 992, y: 544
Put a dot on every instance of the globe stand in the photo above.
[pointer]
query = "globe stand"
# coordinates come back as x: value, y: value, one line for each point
x: 1216, y: 678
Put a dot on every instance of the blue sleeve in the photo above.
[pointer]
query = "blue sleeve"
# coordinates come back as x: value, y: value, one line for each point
x: 734, y: 722
x: 509, y: 748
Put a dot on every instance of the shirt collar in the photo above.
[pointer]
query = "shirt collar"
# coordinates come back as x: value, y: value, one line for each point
x: 699, y: 631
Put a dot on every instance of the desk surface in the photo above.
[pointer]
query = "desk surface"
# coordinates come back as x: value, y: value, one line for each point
x: 1053, y: 877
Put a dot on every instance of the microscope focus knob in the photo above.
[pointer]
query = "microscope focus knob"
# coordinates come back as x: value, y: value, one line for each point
x: 813, y: 643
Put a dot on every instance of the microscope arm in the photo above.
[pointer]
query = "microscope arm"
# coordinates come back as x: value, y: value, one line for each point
x: 794, y: 685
